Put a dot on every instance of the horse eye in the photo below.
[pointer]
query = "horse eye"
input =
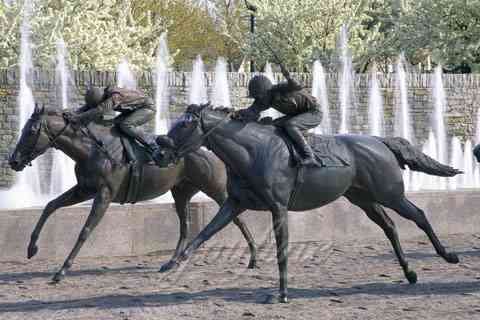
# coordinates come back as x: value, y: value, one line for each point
x: 35, y: 127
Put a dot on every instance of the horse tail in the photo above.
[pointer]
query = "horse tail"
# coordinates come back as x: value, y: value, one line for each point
x: 416, y: 160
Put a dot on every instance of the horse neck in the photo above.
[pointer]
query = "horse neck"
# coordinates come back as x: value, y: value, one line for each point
x: 235, y: 146
x: 70, y: 141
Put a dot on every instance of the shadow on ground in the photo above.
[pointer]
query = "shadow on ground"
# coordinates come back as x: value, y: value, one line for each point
x: 242, y: 295
x: 25, y: 276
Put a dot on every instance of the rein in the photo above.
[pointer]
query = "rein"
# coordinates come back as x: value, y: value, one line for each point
x: 186, y: 148
x: 52, y: 139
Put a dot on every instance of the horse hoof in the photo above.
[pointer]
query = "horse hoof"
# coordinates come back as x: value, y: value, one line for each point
x: 411, y: 276
x: 59, y: 276
x: 253, y: 265
x: 283, y: 299
x: 170, y: 265
x: 452, y: 258
x: 32, y: 251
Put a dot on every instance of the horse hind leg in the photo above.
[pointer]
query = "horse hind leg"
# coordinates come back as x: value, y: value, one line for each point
x: 219, y: 196
x: 408, y: 210
x: 207, y: 173
x: 252, y: 246
x: 182, y: 194
x: 376, y: 213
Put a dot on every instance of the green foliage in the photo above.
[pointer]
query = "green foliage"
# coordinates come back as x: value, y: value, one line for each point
x: 301, y: 31
x: 98, y: 34
x: 10, y: 35
x: 192, y: 31
x: 445, y: 30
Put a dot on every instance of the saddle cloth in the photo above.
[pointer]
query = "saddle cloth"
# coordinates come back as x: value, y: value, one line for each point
x: 325, y: 148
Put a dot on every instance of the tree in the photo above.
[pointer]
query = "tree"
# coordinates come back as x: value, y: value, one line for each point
x: 98, y: 34
x: 231, y: 21
x: 9, y: 38
x: 445, y: 30
x: 193, y: 29
x: 301, y: 31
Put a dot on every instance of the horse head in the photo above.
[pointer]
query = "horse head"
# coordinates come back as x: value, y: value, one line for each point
x: 35, y: 139
x: 190, y: 131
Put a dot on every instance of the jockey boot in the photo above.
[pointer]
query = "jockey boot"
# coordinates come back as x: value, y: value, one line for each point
x: 303, y: 148
x: 140, y: 137
x: 131, y: 157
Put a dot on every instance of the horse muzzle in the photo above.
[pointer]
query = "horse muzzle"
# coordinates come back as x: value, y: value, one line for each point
x: 16, y: 163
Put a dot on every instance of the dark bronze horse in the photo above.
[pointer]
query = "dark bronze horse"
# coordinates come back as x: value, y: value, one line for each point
x: 476, y: 152
x: 106, y: 180
x: 261, y: 176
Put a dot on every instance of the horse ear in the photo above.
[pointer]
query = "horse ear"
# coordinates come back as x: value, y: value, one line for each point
x: 37, y: 109
x: 205, y: 105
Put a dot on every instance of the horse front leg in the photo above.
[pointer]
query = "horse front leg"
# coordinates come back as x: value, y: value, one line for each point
x: 100, y: 205
x: 228, y: 211
x: 280, y: 227
x: 72, y: 196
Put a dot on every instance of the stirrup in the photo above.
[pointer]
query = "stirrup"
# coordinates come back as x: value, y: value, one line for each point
x: 309, y: 162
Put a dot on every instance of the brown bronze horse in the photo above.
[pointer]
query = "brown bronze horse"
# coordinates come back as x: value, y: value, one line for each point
x: 105, y: 179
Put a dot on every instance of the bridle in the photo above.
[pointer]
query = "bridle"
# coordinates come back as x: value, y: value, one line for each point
x: 188, y: 147
x: 52, y: 139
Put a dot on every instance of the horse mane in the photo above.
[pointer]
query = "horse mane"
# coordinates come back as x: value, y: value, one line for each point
x: 222, y: 109
x: 51, y: 111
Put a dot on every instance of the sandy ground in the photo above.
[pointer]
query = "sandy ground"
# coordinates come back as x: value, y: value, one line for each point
x: 334, y: 280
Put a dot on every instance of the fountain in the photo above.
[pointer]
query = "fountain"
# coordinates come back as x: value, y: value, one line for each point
x: 430, y: 182
x: 440, y: 102
x: 198, y: 86
x: 162, y: 116
x: 345, y: 80
x: 467, y: 181
x: 63, y: 168
x: 476, y: 172
x: 26, y: 191
x: 476, y: 176
x: 221, y: 93
x: 403, y: 126
x: 456, y: 162
x: 319, y: 91
x: 375, y: 106
x: 274, y: 114
x: 198, y: 95
x: 241, y: 68
x: 125, y: 76
x: 269, y: 73
x: 161, y: 90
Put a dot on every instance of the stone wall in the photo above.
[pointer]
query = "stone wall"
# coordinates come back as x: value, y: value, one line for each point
x: 462, y: 91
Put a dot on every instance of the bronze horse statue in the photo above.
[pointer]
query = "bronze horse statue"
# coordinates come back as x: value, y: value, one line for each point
x: 105, y: 178
x: 476, y: 152
x: 262, y: 176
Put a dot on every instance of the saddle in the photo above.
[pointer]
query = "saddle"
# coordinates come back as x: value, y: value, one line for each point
x: 324, y: 148
x: 118, y: 155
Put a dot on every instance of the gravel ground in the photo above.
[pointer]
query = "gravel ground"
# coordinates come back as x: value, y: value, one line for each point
x: 327, y: 280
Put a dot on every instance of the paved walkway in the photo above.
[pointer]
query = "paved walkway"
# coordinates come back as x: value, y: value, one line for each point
x: 347, y: 280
